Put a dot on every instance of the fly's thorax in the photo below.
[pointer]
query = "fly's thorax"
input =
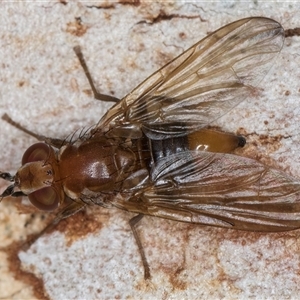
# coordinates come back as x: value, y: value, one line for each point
x: 97, y: 165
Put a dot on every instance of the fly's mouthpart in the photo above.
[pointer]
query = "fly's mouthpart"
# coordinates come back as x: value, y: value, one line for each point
x: 10, y: 190
x: 7, y: 192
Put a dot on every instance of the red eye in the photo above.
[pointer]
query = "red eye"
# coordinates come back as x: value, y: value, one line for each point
x: 36, y: 152
x: 46, y: 199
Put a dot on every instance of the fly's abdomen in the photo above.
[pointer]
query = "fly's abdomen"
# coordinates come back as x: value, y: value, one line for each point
x: 164, y: 148
x: 201, y: 140
x: 214, y: 141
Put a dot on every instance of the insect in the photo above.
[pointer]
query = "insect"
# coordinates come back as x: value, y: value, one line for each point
x: 153, y: 153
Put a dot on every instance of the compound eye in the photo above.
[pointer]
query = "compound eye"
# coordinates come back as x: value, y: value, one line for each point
x: 46, y: 199
x: 36, y: 152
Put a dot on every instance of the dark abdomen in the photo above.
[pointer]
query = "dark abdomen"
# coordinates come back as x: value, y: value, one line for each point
x: 202, y: 140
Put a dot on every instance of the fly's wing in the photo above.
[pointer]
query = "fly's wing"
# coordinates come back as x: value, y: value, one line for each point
x: 221, y: 190
x: 200, y: 85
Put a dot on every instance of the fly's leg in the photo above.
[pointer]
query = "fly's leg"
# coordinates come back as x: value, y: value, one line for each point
x: 57, y: 143
x: 133, y: 222
x: 66, y: 212
x: 97, y: 95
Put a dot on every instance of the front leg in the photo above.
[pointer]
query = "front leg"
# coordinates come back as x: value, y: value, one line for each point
x: 64, y: 213
x: 57, y: 143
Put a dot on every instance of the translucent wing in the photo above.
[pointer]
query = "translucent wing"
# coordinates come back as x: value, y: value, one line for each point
x: 196, y: 187
x: 201, y: 84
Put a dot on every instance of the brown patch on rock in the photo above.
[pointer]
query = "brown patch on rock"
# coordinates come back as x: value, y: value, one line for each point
x: 77, y: 28
x: 14, y: 265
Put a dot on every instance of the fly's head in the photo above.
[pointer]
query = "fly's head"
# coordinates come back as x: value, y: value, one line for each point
x: 37, y: 178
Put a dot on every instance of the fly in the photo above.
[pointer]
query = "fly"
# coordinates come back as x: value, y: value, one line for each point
x: 153, y: 153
